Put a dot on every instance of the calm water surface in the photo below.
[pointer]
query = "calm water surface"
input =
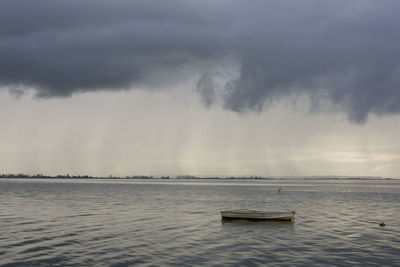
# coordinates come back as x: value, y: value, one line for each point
x: 177, y: 222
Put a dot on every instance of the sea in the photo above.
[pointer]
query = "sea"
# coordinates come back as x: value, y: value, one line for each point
x: 176, y: 222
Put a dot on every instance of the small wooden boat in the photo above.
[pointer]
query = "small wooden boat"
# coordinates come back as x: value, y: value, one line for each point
x: 258, y: 215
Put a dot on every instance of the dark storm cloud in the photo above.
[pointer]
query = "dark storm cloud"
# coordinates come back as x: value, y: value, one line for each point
x: 341, y: 52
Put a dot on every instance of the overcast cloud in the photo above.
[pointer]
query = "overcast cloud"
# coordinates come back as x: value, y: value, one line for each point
x: 344, y: 53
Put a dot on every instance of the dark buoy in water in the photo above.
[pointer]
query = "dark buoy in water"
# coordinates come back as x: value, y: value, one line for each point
x: 382, y: 224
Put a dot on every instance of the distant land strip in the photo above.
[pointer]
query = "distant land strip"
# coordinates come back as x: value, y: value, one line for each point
x: 67, y: 176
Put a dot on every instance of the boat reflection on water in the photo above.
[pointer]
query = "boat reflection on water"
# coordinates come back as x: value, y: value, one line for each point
x: 257, y: 224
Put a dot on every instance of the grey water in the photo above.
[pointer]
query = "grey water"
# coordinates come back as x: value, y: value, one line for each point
x: 57, y: 222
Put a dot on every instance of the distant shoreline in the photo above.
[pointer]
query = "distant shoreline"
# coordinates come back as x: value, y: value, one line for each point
x: 187, y: 177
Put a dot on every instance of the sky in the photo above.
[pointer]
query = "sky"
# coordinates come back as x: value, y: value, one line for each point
x: 181, y: 87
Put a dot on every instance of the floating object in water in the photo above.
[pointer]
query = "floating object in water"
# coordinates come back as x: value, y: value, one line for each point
x: 382, y: 224
x: 279, y: 190
x: 255, y: 215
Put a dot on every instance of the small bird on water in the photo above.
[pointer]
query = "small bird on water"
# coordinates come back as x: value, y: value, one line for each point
x: 279, y: 190
x: 382, y: 224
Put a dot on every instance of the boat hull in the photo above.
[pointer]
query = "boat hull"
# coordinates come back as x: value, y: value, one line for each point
x: 257, y: 215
